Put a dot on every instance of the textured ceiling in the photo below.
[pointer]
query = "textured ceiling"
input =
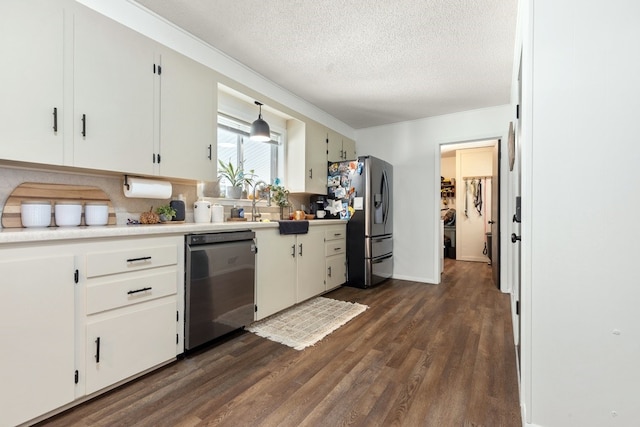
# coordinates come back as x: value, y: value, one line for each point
x: 365, y: 62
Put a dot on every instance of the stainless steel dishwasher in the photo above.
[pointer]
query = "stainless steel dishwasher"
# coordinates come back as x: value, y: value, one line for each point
x: 220, y: 291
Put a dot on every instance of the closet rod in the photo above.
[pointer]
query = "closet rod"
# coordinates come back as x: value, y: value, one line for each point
x: 476, y: 177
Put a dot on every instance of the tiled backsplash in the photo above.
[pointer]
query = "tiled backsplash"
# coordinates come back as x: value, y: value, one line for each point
x: 112, y: 185
x: 126, y: 207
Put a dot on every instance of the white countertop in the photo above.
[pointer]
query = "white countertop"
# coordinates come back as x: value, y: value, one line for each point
x: 16, y: 235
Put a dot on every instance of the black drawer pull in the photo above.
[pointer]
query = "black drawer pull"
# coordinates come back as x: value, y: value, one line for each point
x: 84, y: 125
x: 337, y: 249
x: 55, y: 119
x: 139, y: 290
x: 329, y: 271
x: 144, y: 258
x: 97, y: 350
x: 337, y: 234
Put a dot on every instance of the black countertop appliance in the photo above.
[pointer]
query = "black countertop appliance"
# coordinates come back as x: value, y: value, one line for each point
x: 317, y: 203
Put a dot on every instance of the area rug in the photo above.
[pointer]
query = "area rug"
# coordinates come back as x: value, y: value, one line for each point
x: 305, y: 324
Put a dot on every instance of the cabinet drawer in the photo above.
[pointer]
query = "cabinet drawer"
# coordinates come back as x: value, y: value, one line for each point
x: 131, y: 259
x: 114, y: 294
x: 335, y: 247
x: 335, y: 233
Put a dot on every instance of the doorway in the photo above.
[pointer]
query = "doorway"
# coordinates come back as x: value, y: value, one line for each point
x: 469, y: 203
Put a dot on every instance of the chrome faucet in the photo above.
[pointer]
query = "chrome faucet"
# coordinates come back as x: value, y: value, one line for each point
x: 259, y: 187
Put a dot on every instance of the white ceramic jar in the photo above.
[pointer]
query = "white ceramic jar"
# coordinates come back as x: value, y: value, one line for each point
x: 202, y: 211
x: 68, y: 214
x: 96, y: 214
x: 35, y: 213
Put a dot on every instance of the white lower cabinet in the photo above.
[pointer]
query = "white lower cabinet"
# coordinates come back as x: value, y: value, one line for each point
x: 91, y: 315
x: 275, y: 272
x: 37, y: 328
x: 127, y: 342
x: 310, y: 265
x: 336, y: 259
x: 289, y: 269
x: 130, y: 311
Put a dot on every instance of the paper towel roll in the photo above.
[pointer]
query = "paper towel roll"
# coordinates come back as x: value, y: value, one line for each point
x: 217, y: 213
x: 147, y: 188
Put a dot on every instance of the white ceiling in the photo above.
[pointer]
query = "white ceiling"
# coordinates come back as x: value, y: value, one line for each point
x: 365, y: 62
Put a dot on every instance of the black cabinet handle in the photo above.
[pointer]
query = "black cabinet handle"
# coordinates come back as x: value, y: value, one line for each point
x: 300, y: 253
x: 329, y: 272
x: 515, y: 238
x: 55, y: 119
x: 210, y: 152
x: 293, y: 251
x: 97, y: 350
x: 311, y: 173
x: 84, y: 125
x: 144, y: 258
x: 139, y: 290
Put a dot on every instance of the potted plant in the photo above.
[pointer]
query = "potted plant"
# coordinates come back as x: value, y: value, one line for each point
x: 166, y: 213
x: 237, y: 178
x: 280, y: 196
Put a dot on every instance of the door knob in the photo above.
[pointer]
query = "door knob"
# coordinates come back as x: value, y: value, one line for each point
x: 515, y: 238
x: 491, y: 222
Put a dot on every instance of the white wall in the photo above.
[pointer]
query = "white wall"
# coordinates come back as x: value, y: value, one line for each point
x: 414, y: 150
x: 581, y: 342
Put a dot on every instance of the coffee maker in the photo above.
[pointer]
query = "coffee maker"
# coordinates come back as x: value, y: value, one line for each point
x: 317, y: 203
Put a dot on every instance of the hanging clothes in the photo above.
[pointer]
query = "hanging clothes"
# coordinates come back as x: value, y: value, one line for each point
x: 478, y: 197
x: 466, y: 198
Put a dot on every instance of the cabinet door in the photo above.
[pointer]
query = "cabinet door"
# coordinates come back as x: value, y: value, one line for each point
x: 275, y: 272
x: 316, y: 161
x: 334, y: 148
x: 349, y: 149
x: 31, y: 42
x: 113, y: 92
x: 129, y: 341
x: 37, y: 318
x: 311, y: 263
x: 336, y: 271
x: 188, y: 117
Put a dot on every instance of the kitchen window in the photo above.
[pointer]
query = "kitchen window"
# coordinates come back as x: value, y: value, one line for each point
x: 235, y: 146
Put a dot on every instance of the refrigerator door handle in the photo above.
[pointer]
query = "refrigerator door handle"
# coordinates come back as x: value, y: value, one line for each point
x: 381, y: 259
x: 385, y: 196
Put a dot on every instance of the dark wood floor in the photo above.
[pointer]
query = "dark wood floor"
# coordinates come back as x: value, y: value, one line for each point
x: 421, y: 355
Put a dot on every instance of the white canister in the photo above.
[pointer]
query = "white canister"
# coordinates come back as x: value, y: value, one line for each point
x: 96, y: 214
x: 35, y: 213
x: 217, y: 213
x: 68, y: 214
x: 202, y: 211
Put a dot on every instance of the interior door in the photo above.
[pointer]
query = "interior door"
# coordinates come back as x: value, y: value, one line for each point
x: 495, y: 216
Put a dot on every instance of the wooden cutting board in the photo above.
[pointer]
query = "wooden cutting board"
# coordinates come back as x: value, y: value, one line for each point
x: 32, y: 191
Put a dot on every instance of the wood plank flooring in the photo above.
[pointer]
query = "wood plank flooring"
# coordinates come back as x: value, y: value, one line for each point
x: 421, y: 355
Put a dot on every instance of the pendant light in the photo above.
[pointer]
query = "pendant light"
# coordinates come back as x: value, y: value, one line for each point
x: 260, y: 129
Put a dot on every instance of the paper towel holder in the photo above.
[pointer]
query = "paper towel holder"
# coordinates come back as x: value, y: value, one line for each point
x: 126, y: 182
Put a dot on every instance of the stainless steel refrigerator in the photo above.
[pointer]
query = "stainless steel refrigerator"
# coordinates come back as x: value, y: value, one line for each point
x: 368, y: 183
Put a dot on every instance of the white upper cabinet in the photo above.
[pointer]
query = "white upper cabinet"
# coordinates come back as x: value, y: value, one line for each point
x: 113, y: 117
x: 340, y: 148
x: 31, y: 93
x: 188, y: 115
x: 306, y: 158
